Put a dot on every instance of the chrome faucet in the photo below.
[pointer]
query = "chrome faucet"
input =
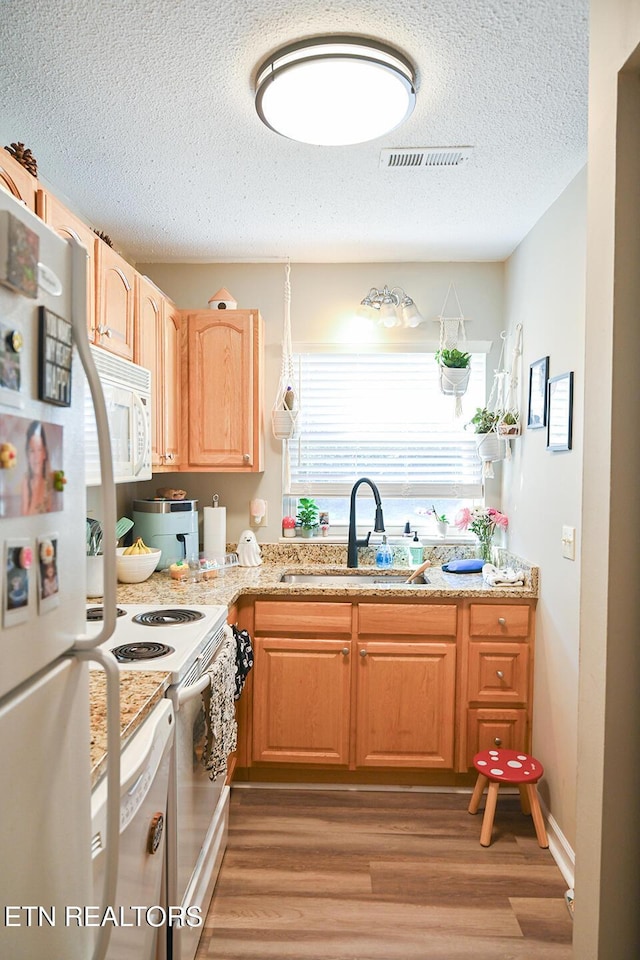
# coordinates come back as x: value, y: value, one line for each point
x: 354, y: 543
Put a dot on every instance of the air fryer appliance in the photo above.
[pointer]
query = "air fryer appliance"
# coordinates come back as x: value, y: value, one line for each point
x: 170, y: 525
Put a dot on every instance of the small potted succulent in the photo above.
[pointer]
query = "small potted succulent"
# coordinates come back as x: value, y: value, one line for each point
x: 509, y: 423
x: 442, y: 523
x: 289, y: 526
x: 455, y: 369
x: 308, y: 516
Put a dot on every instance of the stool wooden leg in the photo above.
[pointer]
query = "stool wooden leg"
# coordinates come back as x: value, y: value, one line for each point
x: 536, y: 813
x: 478, y: 790
x: 489, y: 813
x: 525, y: 806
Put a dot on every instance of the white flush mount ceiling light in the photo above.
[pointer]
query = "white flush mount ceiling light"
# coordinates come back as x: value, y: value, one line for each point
x: 333, y: 91
x: 391, y: 308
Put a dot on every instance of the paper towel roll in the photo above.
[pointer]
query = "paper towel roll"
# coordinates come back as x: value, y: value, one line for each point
x: 215, y: 531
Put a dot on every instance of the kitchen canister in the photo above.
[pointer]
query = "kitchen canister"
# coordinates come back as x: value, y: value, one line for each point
x: 95, y: 576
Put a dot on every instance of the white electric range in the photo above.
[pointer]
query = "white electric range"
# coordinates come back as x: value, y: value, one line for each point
x: 181, y: 641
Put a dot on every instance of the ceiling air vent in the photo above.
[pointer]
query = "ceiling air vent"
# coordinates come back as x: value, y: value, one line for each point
x: 424, y: 156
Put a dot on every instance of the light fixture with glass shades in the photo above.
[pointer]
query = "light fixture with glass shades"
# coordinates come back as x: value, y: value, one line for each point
x: 390, y: 307
x: 335, y: 90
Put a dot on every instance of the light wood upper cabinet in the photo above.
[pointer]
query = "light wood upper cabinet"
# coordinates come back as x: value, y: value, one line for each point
x: 67, y: 225
x: 17, y: 181
x: 115, y: 301
x: 224, y: 373
x: 157, y: 347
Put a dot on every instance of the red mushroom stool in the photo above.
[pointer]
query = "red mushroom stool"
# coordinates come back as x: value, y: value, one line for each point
x: 512, y: 767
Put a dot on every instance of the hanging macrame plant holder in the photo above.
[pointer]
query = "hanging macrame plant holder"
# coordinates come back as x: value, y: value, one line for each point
x: 286, y: 409
x: 491, y: 446
x: 509, y: 423
x: 453, y: 380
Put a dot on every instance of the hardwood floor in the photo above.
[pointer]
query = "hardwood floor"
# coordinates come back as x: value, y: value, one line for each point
x: 364, y: 875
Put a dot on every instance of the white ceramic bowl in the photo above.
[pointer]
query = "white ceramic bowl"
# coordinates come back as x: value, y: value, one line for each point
x: 136, y: 567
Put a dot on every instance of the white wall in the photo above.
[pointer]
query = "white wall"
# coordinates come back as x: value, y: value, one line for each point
x: 324, y: 299
x: 545, y: 292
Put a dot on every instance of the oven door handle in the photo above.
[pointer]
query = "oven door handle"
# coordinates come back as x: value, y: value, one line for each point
x: 188, y: 693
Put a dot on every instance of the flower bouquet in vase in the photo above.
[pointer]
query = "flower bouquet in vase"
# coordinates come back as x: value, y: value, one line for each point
x: 483, y: 522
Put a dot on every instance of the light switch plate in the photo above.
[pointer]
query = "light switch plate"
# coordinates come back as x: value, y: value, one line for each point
x: 569, y: 542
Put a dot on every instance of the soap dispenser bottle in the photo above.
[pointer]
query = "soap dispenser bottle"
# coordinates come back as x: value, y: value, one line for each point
x: 384, y: 556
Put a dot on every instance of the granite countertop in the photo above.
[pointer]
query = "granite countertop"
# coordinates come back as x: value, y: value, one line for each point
x: 139, y: 693
x: 327, y: 559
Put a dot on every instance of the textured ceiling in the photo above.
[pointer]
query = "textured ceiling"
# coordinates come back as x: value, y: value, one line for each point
x: 140, y: 113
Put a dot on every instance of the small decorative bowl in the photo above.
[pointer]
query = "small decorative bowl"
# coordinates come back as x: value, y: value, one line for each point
x: 136, y: 567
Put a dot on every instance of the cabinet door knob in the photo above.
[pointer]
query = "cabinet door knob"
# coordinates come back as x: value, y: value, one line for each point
x: 363, y: 653
x: 168, y: 456
x: 345, y: 651
x: 497, y: 741
x: 502, y: 621
x: 500, y: 674
x: 246, y: 457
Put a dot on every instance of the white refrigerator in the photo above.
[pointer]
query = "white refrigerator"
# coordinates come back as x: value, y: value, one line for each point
x: 47, y: 902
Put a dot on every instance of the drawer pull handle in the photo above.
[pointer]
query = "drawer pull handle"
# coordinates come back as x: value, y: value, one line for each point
x: 497, y: 741
x: 363, y: 653
x: 500, y: 674
x: 345, y: 651
x: 502, y: 621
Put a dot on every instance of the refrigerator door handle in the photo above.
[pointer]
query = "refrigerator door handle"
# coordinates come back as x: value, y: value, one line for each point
x: 110, y: 666
x: 107, y: 488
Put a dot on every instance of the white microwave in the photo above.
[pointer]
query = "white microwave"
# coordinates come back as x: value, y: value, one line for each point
x: 127, y: 393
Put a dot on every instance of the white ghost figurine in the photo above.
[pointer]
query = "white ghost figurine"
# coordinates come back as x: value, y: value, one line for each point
x: 249, y: 550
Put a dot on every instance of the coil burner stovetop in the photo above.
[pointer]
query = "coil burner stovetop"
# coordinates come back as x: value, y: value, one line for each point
x: 167, y: 618
x: 97, y: 613
x: 146, y: 650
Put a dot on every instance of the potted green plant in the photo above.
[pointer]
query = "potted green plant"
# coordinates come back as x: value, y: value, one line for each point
x: 509, y: 423
x: 490, y: 446
x: 307, y: 516
x: 455, y: 369
x: 442, y: 521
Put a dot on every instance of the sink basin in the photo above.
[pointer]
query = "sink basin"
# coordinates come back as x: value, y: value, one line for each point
x: 353, y: 579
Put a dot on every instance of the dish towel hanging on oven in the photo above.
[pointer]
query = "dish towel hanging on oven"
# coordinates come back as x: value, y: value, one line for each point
x: 219, y: 709
x: 244, y: 658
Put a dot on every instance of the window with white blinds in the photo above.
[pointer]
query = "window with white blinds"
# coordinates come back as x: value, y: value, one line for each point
x: 383, y: 416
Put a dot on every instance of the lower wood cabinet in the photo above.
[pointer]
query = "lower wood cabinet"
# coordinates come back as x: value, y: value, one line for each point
x: 354, y: 686
x: 405, y: 713
x: 301, y: 701
x: 376, y: 686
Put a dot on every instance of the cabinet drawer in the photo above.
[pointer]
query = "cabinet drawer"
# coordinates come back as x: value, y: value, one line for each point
x: 487, y: 729
x: 413, y: 619
x: 498, y: 620
x: 297, y: 619
x: 498, y: 673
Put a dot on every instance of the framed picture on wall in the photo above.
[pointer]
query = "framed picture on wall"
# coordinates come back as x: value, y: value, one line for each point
x: 538, y: 377
x: 560, y: 412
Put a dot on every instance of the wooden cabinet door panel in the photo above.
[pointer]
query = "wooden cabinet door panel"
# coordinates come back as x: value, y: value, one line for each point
x: 405, y: 704
x: 68, y: 225
x: 17, y: 181
x: 412, y: 619
x: 298, y: 618
x: 115, y: 279
x: 171, y: 386
x: 301, y: 701
x: 498, y: 673
x: 498, y: 620
x: 488, y: 728
x: 221, y: 389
